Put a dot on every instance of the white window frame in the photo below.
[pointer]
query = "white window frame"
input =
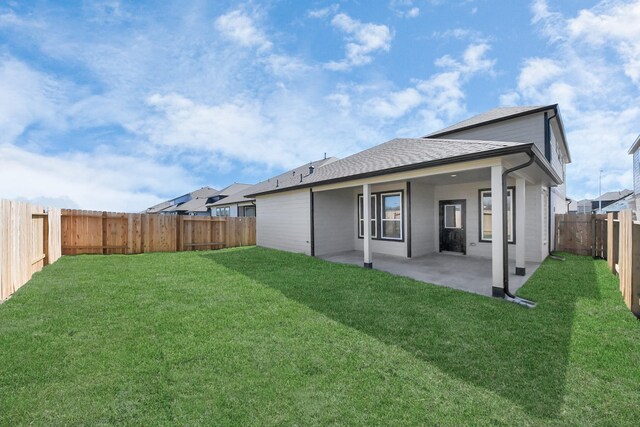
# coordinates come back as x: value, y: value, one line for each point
x: 383, y: 220
x: 454, y: 216
x: 225, y: 209
x: 511, y: 224
x: 374, y: 216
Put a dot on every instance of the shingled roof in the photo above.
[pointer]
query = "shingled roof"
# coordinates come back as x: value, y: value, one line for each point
x: 491, y: 116
x: 388, y: 157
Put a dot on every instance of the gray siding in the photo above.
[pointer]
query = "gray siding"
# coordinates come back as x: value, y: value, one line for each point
x: 521, y: 129
x: 335, y: 221
x: 423, y: 232
x: 284, y: 221
x: 388, y: 247
x: 469, y: 193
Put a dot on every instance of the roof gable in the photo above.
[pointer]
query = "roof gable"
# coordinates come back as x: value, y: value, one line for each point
x: 492, y: 116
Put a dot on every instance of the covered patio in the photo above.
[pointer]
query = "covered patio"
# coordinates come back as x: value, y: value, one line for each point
x: 466, y: 273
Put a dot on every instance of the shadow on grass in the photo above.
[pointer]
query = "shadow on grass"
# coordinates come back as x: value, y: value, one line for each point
x: 520, y: 354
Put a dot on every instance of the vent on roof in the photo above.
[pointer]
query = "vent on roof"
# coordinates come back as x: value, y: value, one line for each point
x: 311, y: 168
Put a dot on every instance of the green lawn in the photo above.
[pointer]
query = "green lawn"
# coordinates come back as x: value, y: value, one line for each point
x: 255, y: 336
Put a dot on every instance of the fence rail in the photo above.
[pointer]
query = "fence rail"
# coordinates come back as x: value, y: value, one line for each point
x: 93, y: 232
x: 29, y: 240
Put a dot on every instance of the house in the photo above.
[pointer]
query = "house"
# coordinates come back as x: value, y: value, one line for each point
x: 626, y: 202
x: 176, y: 205
x: 608, y: 198
x: 635, y: 151
x: 434, y: 205
x: 239, y: 204
x: 233, y: 203
x: 580, y: 206
x: 198, y: 202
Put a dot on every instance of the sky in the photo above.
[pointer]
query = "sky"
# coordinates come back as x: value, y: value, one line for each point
x: 115, y: 105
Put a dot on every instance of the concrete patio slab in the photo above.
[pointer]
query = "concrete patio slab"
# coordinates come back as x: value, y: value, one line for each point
x: 471, y: 274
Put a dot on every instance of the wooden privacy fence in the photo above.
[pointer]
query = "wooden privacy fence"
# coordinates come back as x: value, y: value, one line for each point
x: 582, y: 234
x: 92, y: 232
x: 624, y: 256
x: 29, y: 240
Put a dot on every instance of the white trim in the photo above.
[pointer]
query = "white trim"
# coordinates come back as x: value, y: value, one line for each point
x: 382, y: 218
x: 510, y: 224
x: 374, y: 216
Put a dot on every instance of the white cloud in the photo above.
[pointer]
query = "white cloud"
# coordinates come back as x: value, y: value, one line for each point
x: 395, y: 104
x: 239, y: 27
x: 99, y: 180
x: 323, y: 12
x: 363, y: 40
x: 28, y: 97
x: 439, y: 97
x: 414, y: 12
x: 592, y: 72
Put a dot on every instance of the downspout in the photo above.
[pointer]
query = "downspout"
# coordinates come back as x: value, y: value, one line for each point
x: 547, y: 143
x: 505, y: 240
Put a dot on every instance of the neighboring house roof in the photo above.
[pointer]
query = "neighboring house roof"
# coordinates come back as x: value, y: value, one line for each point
x: 204, y: 192
x: 288, y: 179
x: 626, y: 202
x: 159, y: 207
x: 613, y: 195
x: 635, y: 145
x: 399, y: 155
x: 237, y: 197
x: 233, y: 189
x: 193, y: 205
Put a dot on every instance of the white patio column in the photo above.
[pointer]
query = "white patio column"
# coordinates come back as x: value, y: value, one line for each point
x: 520, y: 214
x: 496, y: 231
x: 366, y: 213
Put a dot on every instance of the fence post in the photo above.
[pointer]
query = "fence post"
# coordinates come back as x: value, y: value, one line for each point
x: 635, y: 266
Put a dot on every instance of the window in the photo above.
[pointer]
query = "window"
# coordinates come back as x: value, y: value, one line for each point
x: 248, y: 210
x: 486, y: 227
x: 453, y: 216
x: 374, y: 216
x: 391, y: 216
x: 224, y: 211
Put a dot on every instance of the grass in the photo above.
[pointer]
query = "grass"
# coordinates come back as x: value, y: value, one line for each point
x: 255, y: 336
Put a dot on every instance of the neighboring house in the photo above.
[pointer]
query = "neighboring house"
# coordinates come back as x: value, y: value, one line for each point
x: 635, y: 151
x: 626, y: 202
x: 440, y: 193
x: 233, y: 203
x: 176, y: 206
x: 608, y: 198
x: 239, y: 204
x: 580, y: 206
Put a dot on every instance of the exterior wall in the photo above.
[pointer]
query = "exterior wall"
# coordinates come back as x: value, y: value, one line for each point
x: 335, y: 221
x: 284, y: 221
x: 388, y: 247
x: 469, y: 193
x: 423, y: 233
x: 528, y: 128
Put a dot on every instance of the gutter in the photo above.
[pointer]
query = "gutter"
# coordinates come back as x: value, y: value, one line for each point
x: 505, y: 244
